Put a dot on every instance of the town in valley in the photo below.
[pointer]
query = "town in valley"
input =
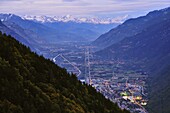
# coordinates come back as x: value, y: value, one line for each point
x: 123, y: 84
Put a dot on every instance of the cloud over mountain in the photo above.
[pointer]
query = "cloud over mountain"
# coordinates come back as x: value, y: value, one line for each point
x: 99, y: 8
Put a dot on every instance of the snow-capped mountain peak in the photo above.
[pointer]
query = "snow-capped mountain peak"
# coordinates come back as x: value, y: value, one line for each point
x: 70, y: 18
x: 5, y: 17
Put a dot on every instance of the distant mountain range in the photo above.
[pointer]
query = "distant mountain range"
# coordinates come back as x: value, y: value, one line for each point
x: 69, y: 18
x: 53, y: 32
x: 132, y: 27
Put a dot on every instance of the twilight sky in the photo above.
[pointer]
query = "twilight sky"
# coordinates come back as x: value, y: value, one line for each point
x: 99, y: 8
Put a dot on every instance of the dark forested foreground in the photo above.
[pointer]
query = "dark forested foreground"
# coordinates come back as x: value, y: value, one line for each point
x: 31, y: 84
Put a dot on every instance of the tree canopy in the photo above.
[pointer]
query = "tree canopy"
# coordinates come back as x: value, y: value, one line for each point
x: 29, y: 83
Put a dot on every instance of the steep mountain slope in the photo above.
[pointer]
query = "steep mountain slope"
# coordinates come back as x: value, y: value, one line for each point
x: 8, y: 31
x: 151, y: 49
x: 28, y: 35
x: 132, y: 27
x: 159, y: 95
x: 31, y: 84
x: 37, y: 29
x: 55, y: 31
x: 149, y: 46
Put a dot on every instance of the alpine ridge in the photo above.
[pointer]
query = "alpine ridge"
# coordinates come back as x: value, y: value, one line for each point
x: 131, y: 28
x: 70, y: 18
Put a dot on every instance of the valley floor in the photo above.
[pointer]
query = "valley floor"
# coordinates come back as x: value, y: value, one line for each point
x: 117, y: 81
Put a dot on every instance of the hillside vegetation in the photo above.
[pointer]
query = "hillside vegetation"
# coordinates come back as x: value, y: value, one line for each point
x: 32, y: 84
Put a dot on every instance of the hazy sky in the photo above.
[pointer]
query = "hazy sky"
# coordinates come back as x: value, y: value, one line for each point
x: 100, y: 8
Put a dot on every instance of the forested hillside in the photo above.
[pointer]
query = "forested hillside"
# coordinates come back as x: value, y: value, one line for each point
x: 159, y: 100
x: 31, y: 84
